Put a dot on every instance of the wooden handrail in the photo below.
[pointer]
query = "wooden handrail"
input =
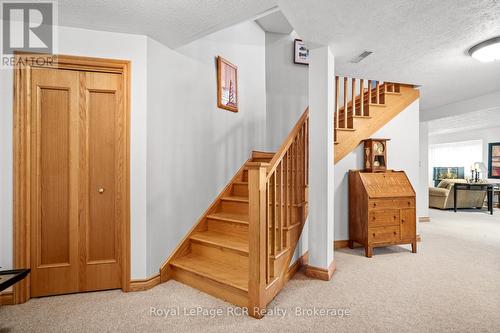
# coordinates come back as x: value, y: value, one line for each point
x: 277, y: 194
x: 278, y: 156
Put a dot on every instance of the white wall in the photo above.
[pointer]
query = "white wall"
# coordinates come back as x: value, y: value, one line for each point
x: 90, y: 43
x: 286, y: 88
x: 402, y: 154
x: 423, y: 203
x: 195, y: 148
x: 321, y: 167
x: 487, y: 135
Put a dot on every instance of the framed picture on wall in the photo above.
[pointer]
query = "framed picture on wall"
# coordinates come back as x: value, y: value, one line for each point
x: 494, y: 160
x: 227, y: 85
x: 301, y: 52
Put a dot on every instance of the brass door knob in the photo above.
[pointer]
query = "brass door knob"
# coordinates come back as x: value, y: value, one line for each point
x: 100, y: 190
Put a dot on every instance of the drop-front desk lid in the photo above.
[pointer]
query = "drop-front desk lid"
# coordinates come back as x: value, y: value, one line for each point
x: 386, y: 184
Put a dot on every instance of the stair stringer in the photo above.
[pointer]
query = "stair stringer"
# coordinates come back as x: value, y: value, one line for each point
x: 200, y: 225
x: 274, y: 288
x: 380, y: 115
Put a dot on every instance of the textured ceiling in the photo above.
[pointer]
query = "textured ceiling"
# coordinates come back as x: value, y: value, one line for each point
x: 171, y: 22
x: 275, y: 22
x: 422, y: 42
x: 465, y: 122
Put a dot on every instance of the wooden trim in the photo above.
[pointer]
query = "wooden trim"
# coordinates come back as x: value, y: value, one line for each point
x: 342, y: 244
x: 145, y: 284
x: 321, y: 273
x: 424, y: 219
x: 88, y: 64
x: 7, y: 298
x: 295, y: 267
x: 22, y: 159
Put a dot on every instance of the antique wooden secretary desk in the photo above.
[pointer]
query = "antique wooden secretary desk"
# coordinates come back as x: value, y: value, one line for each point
x: 381, y: 203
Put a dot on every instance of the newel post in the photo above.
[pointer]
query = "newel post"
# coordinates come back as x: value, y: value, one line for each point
x: 257, y: 238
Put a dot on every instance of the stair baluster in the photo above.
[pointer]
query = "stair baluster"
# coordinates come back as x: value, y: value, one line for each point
x: 277, y: 212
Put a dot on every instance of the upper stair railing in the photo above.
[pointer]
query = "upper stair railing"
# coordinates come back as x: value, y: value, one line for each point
x: 354, y: 96
x: 277, y: 212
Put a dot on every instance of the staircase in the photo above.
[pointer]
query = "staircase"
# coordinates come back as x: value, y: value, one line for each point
x: 241, y: 248
x: 361, y: 111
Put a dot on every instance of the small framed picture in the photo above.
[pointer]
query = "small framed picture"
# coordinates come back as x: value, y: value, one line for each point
x: 301, y: 52
x: 227, y: 85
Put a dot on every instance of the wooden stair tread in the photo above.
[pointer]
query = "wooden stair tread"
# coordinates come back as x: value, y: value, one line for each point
x: 235, y: 198
x: 376, y: 105
x: 361, y: 117
x: 231, y: 217
x: 345, y: 129
x: 232, y: 275
x: 231, y: 242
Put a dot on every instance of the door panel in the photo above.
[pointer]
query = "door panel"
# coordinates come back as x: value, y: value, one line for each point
x: 103, y: 135
x: 54, y: 218
x: 102, y: 227
x: 78, y: 180
x: 408, y: 224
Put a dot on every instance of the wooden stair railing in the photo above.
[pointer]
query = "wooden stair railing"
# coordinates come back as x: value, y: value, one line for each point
x: 241, y: 248
x: 356, y: 105
x: 278, y: 209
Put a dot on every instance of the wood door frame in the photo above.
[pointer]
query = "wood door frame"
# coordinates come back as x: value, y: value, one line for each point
x: 22, y: 156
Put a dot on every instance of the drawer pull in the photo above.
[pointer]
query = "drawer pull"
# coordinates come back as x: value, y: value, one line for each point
x: 374, y: 204
x: 402, y: 220
x: 394, y: 233
x: 395, y: 217
x: 373, y: 234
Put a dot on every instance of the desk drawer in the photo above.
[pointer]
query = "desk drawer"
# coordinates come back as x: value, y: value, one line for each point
x: 404, y: 203
x: 388, y: 234
x: 383, y: 217
x: 391, y: 203
x: 381, y: 204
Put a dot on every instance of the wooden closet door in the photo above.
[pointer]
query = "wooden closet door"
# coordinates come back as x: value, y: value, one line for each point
x: 54, y: 181
x: 102, y: 194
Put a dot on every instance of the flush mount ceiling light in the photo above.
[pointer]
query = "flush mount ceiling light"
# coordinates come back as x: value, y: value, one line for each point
x: 486, y: 51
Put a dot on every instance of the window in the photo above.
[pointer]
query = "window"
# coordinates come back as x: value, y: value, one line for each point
x: 455, y: 154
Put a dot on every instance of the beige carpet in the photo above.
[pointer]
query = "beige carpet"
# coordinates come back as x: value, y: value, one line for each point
x: 451, y: 284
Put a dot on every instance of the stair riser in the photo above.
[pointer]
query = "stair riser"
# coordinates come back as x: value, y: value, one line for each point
x: 244, y: 176
x: 220, y: 254
x: 261, y: 159
x: 234, y: 207
x: 279, y: 262
x: 228, y: 228
x: 208, y: 286
x: 240, y: 190
x: 291, y: 236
